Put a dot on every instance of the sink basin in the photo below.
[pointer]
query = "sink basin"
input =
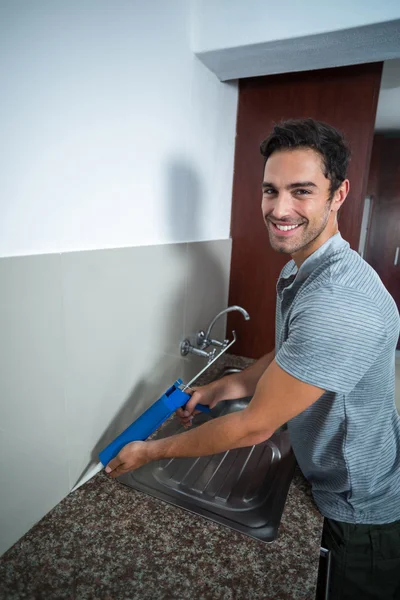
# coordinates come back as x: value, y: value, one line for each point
x: 244, y: 489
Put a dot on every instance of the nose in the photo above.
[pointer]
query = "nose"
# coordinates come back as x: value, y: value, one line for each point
x: 280, y: 207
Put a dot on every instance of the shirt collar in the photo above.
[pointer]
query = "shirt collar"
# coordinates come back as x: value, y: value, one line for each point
x: 335, y: 243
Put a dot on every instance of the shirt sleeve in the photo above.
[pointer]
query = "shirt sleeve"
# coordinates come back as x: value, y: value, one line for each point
x: 334, y: 336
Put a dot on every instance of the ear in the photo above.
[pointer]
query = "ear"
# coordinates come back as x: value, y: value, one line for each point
x: 340, y: 195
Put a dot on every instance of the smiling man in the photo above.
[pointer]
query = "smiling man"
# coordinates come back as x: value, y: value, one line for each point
x: 331, y: 375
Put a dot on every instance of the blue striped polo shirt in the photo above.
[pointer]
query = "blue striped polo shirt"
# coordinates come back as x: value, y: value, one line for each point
x: 337, y: 328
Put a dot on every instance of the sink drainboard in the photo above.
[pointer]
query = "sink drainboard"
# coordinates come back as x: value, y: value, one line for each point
x: 244, y: 489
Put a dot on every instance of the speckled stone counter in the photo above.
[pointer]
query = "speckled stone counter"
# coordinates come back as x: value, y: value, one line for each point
x: 106, y: 541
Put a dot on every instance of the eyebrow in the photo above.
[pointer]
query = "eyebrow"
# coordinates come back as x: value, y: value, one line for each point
x: 291, y: 186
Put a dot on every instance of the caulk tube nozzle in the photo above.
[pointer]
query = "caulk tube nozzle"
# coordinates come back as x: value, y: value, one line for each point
x: 91, y: 473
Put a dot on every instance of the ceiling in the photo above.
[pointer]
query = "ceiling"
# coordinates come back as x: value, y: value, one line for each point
x: 388, y: 112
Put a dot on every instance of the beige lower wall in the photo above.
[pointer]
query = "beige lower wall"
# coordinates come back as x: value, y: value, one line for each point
x: 88, y: 341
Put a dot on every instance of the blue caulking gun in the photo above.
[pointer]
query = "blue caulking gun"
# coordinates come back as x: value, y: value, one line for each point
x: 175, y: 397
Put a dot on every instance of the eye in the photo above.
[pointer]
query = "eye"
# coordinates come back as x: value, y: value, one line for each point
x: 269, y: 191
x: 301, y: 192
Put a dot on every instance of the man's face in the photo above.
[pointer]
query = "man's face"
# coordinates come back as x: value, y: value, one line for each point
x: 295, y: 201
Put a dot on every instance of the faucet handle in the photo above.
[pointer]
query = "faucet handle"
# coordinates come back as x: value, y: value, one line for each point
x: 218, y: 343
x: 201, y: 338
x: 203, y: 342
x: 211, y: 355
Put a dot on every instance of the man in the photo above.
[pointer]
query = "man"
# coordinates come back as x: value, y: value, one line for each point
x: 331, y: 375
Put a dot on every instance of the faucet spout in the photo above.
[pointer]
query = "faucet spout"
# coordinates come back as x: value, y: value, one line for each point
x: 205, y: 339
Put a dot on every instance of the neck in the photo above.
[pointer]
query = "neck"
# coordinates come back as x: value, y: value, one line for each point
x: 329, y: 231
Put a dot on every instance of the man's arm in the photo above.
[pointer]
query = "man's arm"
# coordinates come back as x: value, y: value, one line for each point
x: 230, y: 387
x: 248, y: 379
x: 278, y: 398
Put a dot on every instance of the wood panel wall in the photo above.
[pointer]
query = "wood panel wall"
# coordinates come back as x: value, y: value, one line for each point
x: 384, y: 225
x: 344, y: 97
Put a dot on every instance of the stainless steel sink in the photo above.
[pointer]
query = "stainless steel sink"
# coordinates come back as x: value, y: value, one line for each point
x: 244, y: 489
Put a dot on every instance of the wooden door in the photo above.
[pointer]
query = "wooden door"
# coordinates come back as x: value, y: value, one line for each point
x: 344, y: 97
x: 382, y: 249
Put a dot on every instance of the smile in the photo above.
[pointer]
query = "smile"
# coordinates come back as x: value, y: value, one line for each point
x: 285, y: 229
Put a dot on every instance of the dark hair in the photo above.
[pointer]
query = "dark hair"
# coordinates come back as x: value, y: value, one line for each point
x: 308, y: 133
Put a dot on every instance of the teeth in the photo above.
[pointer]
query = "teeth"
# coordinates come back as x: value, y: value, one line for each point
x: 286, y: 227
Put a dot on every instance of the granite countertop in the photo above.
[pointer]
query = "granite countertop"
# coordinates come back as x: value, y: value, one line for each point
x: 106, y: 541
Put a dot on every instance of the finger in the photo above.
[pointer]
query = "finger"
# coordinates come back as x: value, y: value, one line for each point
x: 119, y: 471
x: 191, y: 403
x: 182, y: 413
x: 189, y: 419
x: 113, y: 464
x: 192, y: 390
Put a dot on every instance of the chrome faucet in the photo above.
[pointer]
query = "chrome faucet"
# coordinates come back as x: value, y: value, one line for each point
x: 203, y: 340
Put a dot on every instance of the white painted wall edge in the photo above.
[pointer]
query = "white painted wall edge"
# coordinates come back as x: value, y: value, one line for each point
x: 110, y: 248
x: 370, y: 43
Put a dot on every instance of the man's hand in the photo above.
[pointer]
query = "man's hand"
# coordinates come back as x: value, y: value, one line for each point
x: 132, y: 456
x: 227, y: 388
x: 208, y: 395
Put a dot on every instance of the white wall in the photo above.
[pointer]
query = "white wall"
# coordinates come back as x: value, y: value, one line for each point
x: 103, y: 106
x: 113, y: 134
